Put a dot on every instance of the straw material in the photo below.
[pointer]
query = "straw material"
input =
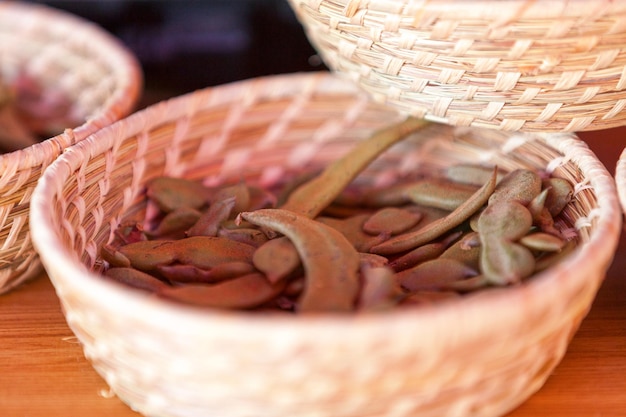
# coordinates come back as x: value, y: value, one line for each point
x: 480, y: 356
x: 620, y: 179
x: 510, y: 65
x: 68, y: 57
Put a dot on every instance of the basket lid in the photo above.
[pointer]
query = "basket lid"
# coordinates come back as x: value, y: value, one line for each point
x: 513, y: 65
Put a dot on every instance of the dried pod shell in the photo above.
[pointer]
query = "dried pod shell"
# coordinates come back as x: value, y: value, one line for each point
x: 521, y: 185
x: 391, y: 221
x: 467, y: 250
x: 170, y: 193
x: 114, y: 257
x: 380, y: 290
x: 244, y: 292
x: 560, y: 193
x: 239, y: 193
x: 276, y: 258
x: 207, y: 251
x: 472, y: 174
x: 505, y: 263
x: 540, y: 241
x: 434, y: 274
x: 209, y: 223
x: 146, y: 255
x: 136, y: 279
x: 437, y: 228
x: 176, y: 222
x: 504, y: 219
x: 416, y: 256
x: 331, y: 263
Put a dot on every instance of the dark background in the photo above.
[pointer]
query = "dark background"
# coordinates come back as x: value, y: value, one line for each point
x: 185, y: 45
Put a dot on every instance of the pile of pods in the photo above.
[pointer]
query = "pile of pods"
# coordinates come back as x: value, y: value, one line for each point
x: 321, y: 242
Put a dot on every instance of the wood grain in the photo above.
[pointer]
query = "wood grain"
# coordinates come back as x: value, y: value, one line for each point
x: 43, y: 371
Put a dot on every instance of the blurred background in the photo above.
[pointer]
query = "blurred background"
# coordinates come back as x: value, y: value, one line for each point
x: 185, y: 45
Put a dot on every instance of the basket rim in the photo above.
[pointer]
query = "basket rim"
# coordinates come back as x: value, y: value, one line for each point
x: 546, y: 285
x: 127, y: 70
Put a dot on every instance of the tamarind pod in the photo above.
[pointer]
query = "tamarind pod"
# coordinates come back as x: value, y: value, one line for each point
x: 370, y: 260
x: 114, y: 257
x: 549, y: 259
x: 391, y: 221
x: 247, y: 235
x: 330, y: 262
x: 352, y: 229
x: 340, y: 211
x: 434, y: 274
x: 472, y: 174
x: 560, y: 193
x: 545, y: 222
x: 259, y: 198
x: 440, y: 226
x: 439, y: 194
x: 176, y: 222
x: 505, y: 263
x: 146, y: 255
x: 207, y: 252
x: 135, y: 278
x: 424, y: 298
x: 467, y: 250
x: 183, y: 273
x: 467, y: 285
x: 506, y: 220
x: 209, y: 222
x: 541, y: 241
x: 537, y: 204
x: 239, y: 194
x: 310, y: 198
x: 416, y: 256
x: 430, y: 192
x: 380, y: 290
x: 247, y: 291
x: 170, y: 193
x: 276, y: 258
x: 521, y: 185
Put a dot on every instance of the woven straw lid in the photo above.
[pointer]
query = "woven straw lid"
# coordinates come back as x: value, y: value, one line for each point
x: 514, y: 65
x: 67, y: 57
x: 478, y: 356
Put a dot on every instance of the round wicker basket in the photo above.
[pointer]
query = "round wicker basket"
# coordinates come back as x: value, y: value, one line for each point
x: 478, y: 356
x: 67, y: 57
x: 510, y: 65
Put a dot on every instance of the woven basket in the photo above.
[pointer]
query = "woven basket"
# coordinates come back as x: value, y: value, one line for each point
x: 509, y: 65
x: 479, y: 356
x: 620, y: 179
x: 67, y: 57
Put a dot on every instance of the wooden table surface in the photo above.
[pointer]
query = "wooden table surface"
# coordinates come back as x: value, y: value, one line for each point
x: 43, y: 371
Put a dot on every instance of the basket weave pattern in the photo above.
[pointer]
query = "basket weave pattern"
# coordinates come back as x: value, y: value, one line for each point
x: 509, y: 65
x: 102, y: 81
x: 481, y: 356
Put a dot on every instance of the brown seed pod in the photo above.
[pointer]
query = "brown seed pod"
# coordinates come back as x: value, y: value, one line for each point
x: 170, y: 193
x: 136, y: 279
x: 244, y: 292
x: 434, y: 274
x: 330, y: 262
x: 437, y: 228
x: 391, y: 221
x: 277, y: 258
